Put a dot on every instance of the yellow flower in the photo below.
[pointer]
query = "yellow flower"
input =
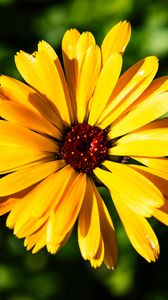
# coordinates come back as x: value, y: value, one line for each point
x: 62, y: 132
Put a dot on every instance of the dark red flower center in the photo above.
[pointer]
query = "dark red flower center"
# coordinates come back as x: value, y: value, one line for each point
x: 85, y: 147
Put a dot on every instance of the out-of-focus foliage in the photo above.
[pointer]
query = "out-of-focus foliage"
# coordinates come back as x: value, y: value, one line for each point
x: 24, y: 276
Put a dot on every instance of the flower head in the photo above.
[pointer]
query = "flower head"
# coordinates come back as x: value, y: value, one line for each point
x: 63, y: 131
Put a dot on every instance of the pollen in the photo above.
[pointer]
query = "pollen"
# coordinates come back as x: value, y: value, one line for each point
x: 85, y: 147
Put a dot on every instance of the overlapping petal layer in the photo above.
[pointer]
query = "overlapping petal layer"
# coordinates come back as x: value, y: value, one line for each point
x: 148, y: 141
x: 44, y: 74
x: 96, y: 234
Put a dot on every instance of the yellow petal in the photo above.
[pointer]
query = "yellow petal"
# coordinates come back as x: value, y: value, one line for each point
x: 157, y: 86
x: 105, y: 85
x: 161, y: 123
x: 41, y: 242
x: 97, y: 260
x: 40, y: 71
x: 51, y: 239
x: 27, y: 225
x: 152, y: 108
x: 14, y: 157
x: 45, y: 47
x: 108, y: 233
x: 116, y: 40
x: 138, y: 231
x: 26, y: 177
x: 69, y: 43
x: 159, y: 178
x: 36, y: 240
x: 17, y: 209
x: 87, y: 80
x: 85, y: 40
x: 89, y: 224
x: 40, y: 200
x: 129, y: 87
x: 36, y: 206
x: 21, y: 219
x: 22, y: 137
x: 162, y: 213
x: 21, y: 93
x: 74, y: 48
x: 19, y: 114
x: 66, y: 211
x: 17, y: 91
x: 158, y: 164
x: 53, y: 85
x: 26, y: 65
x: 150, y: 142
x: 137, y: 192
x: 6, y: 205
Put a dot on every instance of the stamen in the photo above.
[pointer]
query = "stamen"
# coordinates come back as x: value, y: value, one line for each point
x: 85, y: 147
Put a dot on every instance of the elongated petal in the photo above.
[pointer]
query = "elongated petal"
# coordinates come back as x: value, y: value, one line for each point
x: 19, y: 114
x: 26, y: 65
x: 27, y: 225
x: 31, y: 208
x: 17, y: 215
x: 69, y: 43
x: 105, y: 85
x: 108, y: 233
x: 159, y: 178
x: 137, y: 192
x: 14, y: 157
x: 97, y: 260
x: 36, y: 241
x: 42, y: 242
x: 116, y: 40
x: 41, y: 72
x: 6, y: 205
x: 9, y: 203
x: 158, y: 164
x: 21, y: 93
x: 45, y: 47
x: 66, y: 211
x: 17, y: 91
x: 154, y: 107
x: 52, y: 85
x: 87, y: 80
x: 36, y: 206
x: 74, y: 48
x: 138, y: 231
x: 86, y: 39
x: 52, y: 245
x: 18, y: 136
x: 89, y: 224
x: 26, y: 177
x: 157, y: 86
x: 40, y: 200
x: 129, y: 87
x: 162, y: 213
x: 152, y: 143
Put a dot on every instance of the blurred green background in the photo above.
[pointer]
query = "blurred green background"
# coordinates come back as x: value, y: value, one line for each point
x: 24, y: 276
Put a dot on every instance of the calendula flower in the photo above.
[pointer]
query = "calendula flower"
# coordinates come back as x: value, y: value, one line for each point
x: 64, y: 132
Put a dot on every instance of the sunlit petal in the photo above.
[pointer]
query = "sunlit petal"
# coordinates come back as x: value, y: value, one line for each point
x: 116, y: 40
